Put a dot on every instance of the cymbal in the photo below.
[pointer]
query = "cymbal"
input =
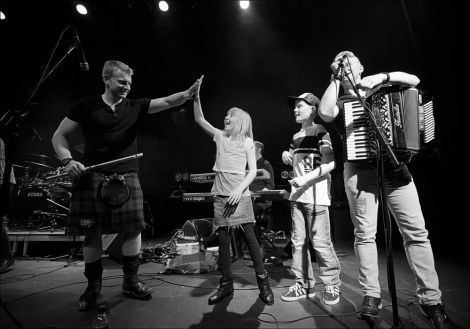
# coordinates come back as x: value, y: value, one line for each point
x: 18, y: 166
x: 42, y: 156
x: 40, y: 164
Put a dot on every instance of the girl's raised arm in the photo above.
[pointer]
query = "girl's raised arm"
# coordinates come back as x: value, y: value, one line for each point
x: 198, y: 115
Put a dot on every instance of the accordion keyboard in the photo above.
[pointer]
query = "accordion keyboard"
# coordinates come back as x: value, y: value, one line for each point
x: 358, y: 141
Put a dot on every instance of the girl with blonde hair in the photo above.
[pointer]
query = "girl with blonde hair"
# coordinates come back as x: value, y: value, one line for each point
x: 232, y: 201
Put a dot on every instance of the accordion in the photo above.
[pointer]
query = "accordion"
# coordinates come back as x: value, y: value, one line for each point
x: 405, y: 116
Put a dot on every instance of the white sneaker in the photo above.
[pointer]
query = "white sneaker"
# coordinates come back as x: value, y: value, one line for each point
x: 296, y: 291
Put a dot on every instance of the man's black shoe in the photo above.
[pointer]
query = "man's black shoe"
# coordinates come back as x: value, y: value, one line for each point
x: 370, y: 307
x: 437, y: 315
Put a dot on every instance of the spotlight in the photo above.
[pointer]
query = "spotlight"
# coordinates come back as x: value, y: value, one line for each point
x: 291, y: 174
x: 284, y: 174
x: 163, y: 5
x: 81, y: 9
x: 2, y: 15
x: 244, y: 4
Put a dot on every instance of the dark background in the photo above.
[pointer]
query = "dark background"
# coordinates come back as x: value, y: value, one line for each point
x: 251, y: 59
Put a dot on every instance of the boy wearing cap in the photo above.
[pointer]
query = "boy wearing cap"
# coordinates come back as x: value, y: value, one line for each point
x: 311, y: 156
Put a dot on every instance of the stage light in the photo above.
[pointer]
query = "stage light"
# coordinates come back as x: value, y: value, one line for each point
x: 244, y: 4
x: 163, y: 5
x: 81, y: 9
x: 2, y: 15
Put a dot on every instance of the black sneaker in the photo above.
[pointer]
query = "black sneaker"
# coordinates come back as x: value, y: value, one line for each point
x: 370, y: 307
x: 437, y: 315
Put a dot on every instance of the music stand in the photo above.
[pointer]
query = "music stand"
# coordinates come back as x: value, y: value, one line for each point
x: 382, y: 142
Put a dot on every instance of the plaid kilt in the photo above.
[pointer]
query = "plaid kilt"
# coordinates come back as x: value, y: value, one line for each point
x: 89, y: 213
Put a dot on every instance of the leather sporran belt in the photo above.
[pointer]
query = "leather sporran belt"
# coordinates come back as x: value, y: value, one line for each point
x: 113, y: 191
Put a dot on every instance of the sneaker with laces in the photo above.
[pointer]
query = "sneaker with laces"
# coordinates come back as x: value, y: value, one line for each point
x: 437, y: 315
x: 370, y: 307
x: 331, y: 295
x: 296, y: 291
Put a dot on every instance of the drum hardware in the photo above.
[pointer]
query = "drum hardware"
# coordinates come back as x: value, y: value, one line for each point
x: 44, y: 217
x: 58, y: 204
x: 40, y: 164
x: 42, y: 156
x: 41, y: 204
x: 61, y: 179
x: 65, y: 185
x: 22, y: 179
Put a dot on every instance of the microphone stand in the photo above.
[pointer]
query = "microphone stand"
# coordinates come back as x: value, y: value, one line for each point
x: 58, y: 63
x: 383, y: 142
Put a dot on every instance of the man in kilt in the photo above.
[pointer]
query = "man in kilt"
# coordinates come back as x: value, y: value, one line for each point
x: 109, y: 200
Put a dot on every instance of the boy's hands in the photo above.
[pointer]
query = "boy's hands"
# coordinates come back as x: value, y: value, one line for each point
x: 287, y: 158
x: 298, y: 181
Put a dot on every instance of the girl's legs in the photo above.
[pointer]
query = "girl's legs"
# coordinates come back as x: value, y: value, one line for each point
x: 254, y: 248
x: 266, y: 294
x: 225, y: 259
x: 225, y: 263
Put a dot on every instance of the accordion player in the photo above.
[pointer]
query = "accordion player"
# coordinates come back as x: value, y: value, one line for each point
x: 405, y: 115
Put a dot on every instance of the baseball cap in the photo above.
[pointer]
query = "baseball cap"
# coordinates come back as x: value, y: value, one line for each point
x: 309, y: 98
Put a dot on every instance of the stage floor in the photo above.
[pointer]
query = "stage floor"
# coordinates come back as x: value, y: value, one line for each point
x: 43, y: 293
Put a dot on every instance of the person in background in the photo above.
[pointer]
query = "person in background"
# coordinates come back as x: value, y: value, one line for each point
x: 262, y: 208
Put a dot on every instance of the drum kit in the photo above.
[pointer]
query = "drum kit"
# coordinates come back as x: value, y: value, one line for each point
x: 43, y: 199
x: 41, y: 203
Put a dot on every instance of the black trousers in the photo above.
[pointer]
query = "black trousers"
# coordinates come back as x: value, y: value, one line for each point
x: 225, y: 259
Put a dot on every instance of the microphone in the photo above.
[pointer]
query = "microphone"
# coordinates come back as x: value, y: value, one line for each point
x: 339, y: 71
x: 341, y: 60
x: 83, y: 63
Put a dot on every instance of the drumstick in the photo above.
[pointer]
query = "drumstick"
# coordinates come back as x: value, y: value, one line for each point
x: 99, y: 165
x: 104, y: 164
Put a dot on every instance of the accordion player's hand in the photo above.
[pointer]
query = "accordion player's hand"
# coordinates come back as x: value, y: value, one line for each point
x: 337, y: 69
x: 371, y: 81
